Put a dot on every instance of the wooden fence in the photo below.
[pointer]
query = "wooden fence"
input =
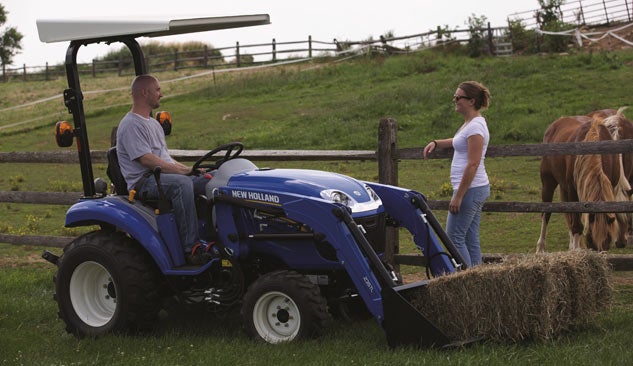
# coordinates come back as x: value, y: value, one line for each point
x: 387, y: 155
x: 498, y: 41
x: 582, y: 12
x: 203, y: 58
x: 244, y: 55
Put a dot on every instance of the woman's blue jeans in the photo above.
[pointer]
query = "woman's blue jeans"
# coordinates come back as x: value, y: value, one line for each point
x: 463, y: 228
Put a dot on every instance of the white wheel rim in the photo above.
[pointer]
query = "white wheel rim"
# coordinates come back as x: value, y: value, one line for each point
x: 276, y: 317
x: 93, y: 294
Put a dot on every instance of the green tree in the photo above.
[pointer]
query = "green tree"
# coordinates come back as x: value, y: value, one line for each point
x: 550, y: 19
x: 549, y: 13
x: 477, y: 30
x: 9, y: 40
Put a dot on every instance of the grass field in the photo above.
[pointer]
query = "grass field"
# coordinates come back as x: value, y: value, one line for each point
x: 310, y: 106
x: 31, y: 334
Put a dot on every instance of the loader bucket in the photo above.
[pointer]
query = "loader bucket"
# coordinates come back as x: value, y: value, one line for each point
x: 404, y: 324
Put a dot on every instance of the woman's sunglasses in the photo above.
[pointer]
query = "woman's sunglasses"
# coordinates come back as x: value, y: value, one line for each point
x: 458, y: 97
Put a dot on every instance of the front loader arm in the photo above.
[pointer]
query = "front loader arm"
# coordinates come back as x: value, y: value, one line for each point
x: 328, y: 220
x: 410, y: 210
x: 333, y: 222
x: 402, y: 322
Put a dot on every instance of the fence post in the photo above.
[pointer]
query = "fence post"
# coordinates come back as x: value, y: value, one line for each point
x: 237, y: 54
x: 310, y: 46
x: 94, y: 68
x: 582, y: 11
x: 491, y: 46
x: 120, y: 66
x: 206, y: 56
x: 4, y: 72
x: 176, y: 60
x: 387, y: 161
x: 46, y: 72
x: 388, y: 174
x: 24, y: 72
x: 274, y: 51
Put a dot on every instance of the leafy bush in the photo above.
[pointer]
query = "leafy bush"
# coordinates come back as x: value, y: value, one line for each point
x: 523, y: 40
x: 477, y: 42
x: 549, y: 19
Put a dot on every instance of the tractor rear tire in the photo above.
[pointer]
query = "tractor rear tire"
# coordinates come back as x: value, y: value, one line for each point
x: 106, y: 282
x: 283, y: 306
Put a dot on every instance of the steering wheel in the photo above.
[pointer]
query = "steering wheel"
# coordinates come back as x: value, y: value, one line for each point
x: 233, y: 150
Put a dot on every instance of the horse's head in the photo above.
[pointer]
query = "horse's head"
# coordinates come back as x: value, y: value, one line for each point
x: 625, y: 234
x: 603, y: 179
x: 601, y: 229
x: 622, y: 189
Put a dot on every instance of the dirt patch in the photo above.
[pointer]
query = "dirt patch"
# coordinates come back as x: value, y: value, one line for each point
x: 18, y: 261
x: 609, y: 42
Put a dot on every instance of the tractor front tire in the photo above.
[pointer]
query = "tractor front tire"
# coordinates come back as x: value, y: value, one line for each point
x: 283, y: 306
x: 106, y: 282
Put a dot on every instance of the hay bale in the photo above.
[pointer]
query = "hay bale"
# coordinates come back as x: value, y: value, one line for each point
x: 523, y: 297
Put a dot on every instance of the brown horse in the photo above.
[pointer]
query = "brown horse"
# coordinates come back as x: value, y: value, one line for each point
x: 585, y: 178
x: 625, y: 132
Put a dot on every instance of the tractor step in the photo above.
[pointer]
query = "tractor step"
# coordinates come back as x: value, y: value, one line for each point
x: 50, y: 257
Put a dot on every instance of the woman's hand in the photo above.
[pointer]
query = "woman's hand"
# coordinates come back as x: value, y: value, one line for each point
x: 429, y: 148
x: 453, y: 206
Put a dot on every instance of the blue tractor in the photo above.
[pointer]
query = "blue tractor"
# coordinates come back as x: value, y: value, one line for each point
x: 292, y: 246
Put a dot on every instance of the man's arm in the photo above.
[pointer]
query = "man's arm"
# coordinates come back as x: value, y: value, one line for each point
x: 151, y: 161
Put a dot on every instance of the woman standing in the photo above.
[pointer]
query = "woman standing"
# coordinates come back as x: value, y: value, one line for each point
x: 470, y: 182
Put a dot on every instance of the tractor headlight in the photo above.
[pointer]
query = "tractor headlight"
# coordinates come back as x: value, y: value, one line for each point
x: 372, y: 193
x: 356, y: 206
x: 337, y: 196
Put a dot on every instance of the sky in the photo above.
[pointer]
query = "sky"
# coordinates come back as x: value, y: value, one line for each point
x: 291, y: 20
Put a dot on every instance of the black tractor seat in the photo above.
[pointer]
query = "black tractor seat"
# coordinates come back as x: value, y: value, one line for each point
x: 114, y: 173
x: 118, y: 181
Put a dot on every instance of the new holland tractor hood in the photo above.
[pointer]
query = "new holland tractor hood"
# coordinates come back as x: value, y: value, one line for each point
x: 241, y: 173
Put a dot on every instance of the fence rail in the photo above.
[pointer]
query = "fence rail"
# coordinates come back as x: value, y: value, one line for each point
x: 387, y: 156
x: 205, y: 58
x: 581, y: 13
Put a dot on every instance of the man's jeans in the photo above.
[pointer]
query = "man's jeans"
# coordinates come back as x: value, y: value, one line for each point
x: 180, y: 189
x: 463, y: 228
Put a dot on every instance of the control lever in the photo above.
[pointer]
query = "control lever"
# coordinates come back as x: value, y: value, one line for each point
x: 164, y: 203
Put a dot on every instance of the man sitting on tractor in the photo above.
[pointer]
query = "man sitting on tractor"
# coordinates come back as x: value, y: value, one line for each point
x: 141, y: 147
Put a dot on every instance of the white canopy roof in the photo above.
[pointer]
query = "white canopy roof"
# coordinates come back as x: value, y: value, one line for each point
x: 70, y: 30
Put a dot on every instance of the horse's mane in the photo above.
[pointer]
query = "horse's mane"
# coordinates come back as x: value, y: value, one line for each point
x: 623, y: 187
x: 613, y: 124
x: 592, y: 185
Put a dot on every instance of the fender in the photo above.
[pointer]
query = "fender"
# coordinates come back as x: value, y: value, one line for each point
x: 136, y: 220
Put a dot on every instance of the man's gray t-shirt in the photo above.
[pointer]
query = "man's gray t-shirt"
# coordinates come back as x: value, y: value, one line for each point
x: 137, y: 136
